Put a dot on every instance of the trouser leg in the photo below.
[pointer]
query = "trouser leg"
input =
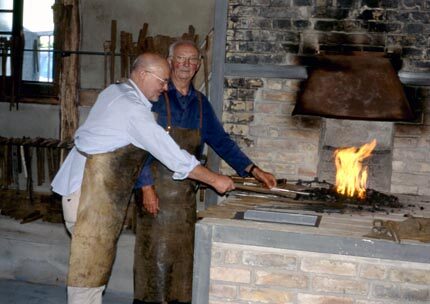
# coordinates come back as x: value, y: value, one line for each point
x: 70, y: 205
x: 84, y: 295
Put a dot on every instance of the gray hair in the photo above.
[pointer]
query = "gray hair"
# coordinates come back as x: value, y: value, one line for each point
x: 180, y: 42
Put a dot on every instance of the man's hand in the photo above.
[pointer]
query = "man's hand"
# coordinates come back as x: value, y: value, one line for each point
x: 220, y: 182
x: 150, y: 199
x: 266, y: 178
x: 223, y: 184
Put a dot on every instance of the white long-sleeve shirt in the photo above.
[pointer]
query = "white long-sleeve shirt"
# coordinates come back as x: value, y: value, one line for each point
x: 121, y: 116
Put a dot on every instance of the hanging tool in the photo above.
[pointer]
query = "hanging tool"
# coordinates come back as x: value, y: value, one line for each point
x: 40, y: 155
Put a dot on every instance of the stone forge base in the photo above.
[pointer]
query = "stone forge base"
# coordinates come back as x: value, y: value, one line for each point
x: 240, y: 262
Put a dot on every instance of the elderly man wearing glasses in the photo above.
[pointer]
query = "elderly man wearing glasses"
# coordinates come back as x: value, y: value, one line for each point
x: 163, y: 264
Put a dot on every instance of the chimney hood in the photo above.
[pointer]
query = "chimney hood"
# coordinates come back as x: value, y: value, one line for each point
x: 361, y: 87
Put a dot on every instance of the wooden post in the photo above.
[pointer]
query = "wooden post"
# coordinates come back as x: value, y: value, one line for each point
x: 69, y: 76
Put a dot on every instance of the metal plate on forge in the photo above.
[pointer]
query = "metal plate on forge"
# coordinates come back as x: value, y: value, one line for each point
x: 282, y: 217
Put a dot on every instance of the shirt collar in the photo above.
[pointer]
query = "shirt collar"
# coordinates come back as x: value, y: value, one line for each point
x: 142, y: 97
x: 191, y: 91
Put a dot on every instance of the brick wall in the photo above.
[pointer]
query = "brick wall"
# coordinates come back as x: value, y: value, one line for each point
x: 257, y: 111
x: 411, y: 152
x: 267, y: 31
x: 249, y: 274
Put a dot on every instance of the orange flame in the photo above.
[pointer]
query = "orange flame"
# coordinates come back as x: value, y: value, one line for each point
x: 351, y: 177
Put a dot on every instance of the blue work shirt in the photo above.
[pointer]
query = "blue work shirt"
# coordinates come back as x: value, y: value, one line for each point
x: 185, y: 113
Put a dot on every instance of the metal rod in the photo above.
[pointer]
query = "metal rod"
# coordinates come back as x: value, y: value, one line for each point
x: 68, y: 53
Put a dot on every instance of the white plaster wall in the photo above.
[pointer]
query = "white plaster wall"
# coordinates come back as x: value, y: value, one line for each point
x: 165, y: 17
x: 31, y: 120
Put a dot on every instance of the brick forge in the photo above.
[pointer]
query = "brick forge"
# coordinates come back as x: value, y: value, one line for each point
x: 249, y: 274
x: 257, y: 110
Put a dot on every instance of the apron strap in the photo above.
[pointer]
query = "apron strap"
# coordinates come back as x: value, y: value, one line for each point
x: 169, y: 114
x: 199, y: 94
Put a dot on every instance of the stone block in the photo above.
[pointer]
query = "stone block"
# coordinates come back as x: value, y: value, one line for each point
x: 322, y: 299
x: 424, y: 191
x: 408, y: 179
x: 234, y: 105
x: 282, y: 24
x: 265, y: 295
x: 383, y: 27
x: 229, y: 274
x: 241, y: 10
x: 230, y: 82
x: 414, y: 4
x: 301, y: 24
x: 222, y: 291
x: 399, y: 188
x: 260, y: 2
x: 414, y: 276
x: 409, y: 293
x: 329, y: 266
x: 282, y: 3
x: 274, y: 84
x: 330, y: 12
x: 272, y: 120
x: 253, y: 83
x: 276, y: 95
x: 405, y: 142
x: 263, y: 259
x: 302, y: 2
x: 236, y: 129
x: 237, y: 118
x: 343, y: 286
x: 373, y: 272
x: 421, y: 16
x: 413, y: 52
x: 276, y: 13
x: 233, y: 256
x: 288, y: 280
x: 260, y: 131
x: 347, y: 133
x: 217, y: 256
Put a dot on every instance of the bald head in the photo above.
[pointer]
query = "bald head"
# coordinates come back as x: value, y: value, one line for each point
x: 148, y: 61
x: 150, y: 73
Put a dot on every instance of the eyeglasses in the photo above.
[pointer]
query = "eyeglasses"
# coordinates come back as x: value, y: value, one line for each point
x: 191, y: 60
x: 162, y: 81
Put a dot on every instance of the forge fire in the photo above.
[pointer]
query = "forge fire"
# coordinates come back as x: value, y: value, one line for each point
x: 351, y: 175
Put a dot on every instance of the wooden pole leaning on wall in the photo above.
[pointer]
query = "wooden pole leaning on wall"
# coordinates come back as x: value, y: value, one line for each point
x: 69, y: 24
x: 113, y: 28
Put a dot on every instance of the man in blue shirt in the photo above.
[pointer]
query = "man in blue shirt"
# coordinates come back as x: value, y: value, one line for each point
x: 164, y: 236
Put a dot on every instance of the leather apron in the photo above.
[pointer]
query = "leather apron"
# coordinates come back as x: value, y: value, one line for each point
x: 163, y: 258
x: 105, y: 193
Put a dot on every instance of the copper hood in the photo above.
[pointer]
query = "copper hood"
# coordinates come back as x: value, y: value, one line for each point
x: 364, y: 87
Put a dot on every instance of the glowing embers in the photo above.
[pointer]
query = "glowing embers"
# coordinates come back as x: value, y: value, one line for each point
x: 351, y: 176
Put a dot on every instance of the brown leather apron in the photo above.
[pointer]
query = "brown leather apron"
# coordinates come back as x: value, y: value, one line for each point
x: 163, y: 258
x: 105, y: 193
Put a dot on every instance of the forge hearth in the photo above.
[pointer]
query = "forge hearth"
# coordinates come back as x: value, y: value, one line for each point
x: 337, y: 134
x: 326, y: 194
